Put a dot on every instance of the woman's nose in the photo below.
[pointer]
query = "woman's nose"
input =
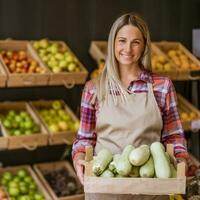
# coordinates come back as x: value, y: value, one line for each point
x: 128, y: 47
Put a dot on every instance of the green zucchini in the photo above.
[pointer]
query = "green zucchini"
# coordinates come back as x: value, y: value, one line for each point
x: 161, y: 162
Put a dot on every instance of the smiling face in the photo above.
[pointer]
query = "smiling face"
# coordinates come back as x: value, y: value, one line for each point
x: 129, y: 45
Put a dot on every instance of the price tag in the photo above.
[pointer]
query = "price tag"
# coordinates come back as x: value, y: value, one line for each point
x: 195, y: 125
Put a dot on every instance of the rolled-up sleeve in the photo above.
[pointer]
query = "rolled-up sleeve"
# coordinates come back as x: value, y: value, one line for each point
x: 86, y: 134
x: 172, y: 132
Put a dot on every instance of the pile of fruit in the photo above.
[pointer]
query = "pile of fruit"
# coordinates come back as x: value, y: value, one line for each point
x: 143, y: 161
x: 56, y: 57
x: 20, y: 186
x: 188, y: 116
x: 181, y: 60
x: 21, y: 62
x: 62, y: 183
x: 160, y: 63
x: 57, y: 118
x: 19, y: 123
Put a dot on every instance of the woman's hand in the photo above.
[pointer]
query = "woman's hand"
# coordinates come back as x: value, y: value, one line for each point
x: 79, y: 162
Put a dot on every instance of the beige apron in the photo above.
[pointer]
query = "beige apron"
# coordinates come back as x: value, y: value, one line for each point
x: 138, y: 121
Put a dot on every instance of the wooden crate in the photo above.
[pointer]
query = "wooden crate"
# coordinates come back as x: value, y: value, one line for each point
x: 172, y: 73
x: 40, y: 187
x: 65, y: 137
x: 98, y: 50
x: 183, y: 74
x: 30, y: 142
x: 3, y: 76
x: 23, y: 79
x: 68, y: 79
x: 43, y: 168
x: 146, y: 186
x: 187, y: 107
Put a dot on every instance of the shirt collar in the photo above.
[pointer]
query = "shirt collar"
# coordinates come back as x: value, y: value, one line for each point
x: 145, y: 75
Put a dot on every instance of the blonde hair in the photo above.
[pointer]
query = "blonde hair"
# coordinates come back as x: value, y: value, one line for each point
x: 109, y: 81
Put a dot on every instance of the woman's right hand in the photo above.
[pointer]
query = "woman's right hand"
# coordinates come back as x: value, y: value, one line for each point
x: 79, y: 165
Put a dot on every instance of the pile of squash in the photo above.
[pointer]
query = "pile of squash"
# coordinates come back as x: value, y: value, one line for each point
x: 143, y: 161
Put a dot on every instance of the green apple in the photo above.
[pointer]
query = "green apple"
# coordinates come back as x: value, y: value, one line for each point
x: 44, y: 43
x: 63, y: 125
x: 71, y: 67
x: 69, y: 58
x: 13, y: 191
x: 59, y: 56
x: 53, y: 128
x: 22, y: 173
x: 36, y: 45
x: 7, y: 176
x: 56, y: 105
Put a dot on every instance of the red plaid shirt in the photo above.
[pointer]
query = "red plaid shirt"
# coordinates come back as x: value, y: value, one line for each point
x: 165, y: 95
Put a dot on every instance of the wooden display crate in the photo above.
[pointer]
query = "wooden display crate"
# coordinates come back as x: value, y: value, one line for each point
x: 187, y: 107
x: 43, y: 168
x: 3, y: 76
x: 64, y: 137
x: 172, y: 72
x: 146, y: 186
x: 30, y: 142
x: 23, y: 79
x: 68, y: 79
x: 183, y: 73
x: 40, y: 187
x: 98, y: 50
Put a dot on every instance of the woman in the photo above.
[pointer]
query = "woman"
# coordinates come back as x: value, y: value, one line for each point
x: 128, y: 104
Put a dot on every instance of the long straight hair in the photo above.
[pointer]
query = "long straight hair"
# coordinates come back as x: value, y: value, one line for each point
x: 109, y: 81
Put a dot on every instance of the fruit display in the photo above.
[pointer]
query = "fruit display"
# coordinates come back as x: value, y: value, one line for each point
x: 144, y: 161
x: 57, y: 118
x: 56, y: 56
x: 20, y: 185
x: 178, y: 55
x: 21, y: 62
x: 188, y: 116
x: 62, y: 183
x: 19, y: 123
x: 161, y: 63
x: 181, y: 60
